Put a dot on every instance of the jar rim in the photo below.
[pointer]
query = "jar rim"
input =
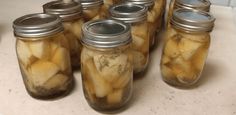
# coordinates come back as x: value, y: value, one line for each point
x: 106, y: 33
x: 128, y: 12
x: 37, y: 25
x: 66, y: 11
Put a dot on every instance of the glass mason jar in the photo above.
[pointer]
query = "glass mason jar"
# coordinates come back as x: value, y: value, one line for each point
x: 93, y: 9
x: 43, y: 55
x: 154, y: 16
x: 203, y: 5
x: 72, y: 20
x: 136, y: 15
x: 106, y: 64
x: 187, y: 41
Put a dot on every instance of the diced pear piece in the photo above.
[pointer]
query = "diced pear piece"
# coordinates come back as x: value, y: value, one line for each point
x: 124, y: 79
x: 115, y: 97
x: 167, y: 73
x: 101, y: 86
x: 140, y: 30
x: 110, y: 66
x: 57, y: 81
x: 23, y: 52
x: 61, y: 58
x: 188, y: 48
x: 139, y: 60
x: 90, y: 14
x: 76, y: 27
x: 187, y: 77
x: 199, y: 58
x: 54, y: 46
x: 87, y: 54
x: 89, y: 91
x: 171, y: 48
x: 179, y: 64
x: 42, y: 71
x: 197, y: 37
x: 137, y: 42
x: 165, y: 59
x: 151, y: 16
x: 40, y: 49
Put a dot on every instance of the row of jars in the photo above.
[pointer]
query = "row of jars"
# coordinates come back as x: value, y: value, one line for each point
x: 110, y: 51
x: 50, y: 44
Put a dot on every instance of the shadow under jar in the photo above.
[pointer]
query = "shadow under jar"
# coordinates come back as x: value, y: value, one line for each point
x: 94, y: 10
x: 203, y: 5
x: 136, y: 16
x: 155, y: 12
x: 106, y: 64
x: 43, y: 55
x: 187, y: 41
x: 72, y: 20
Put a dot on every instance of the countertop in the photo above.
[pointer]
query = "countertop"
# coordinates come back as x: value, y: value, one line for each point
x: 213, y: 95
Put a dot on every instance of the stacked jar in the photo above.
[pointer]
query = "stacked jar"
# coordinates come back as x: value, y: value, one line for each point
x: 93, y: 9
x: 156, y: 9
x: 71, y: 15
x: 106, y: 64
x: 186, y: 47
x: 203, y: 5
x: 43, y: 55
x: 136, y: 15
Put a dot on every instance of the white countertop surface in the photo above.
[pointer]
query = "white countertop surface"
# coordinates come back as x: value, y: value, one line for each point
x: 213, y: 95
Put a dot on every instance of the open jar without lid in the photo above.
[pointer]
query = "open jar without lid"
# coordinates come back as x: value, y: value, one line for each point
x: 136, y: 15
x: 187, y: 42
x: 106, y: 64
x: 43, y: 55
x: 71, y: 15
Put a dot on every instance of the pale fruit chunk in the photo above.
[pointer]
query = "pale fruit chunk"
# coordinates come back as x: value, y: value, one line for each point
x: 101, y: 86
x: 140, y: 30
x: 199, y: 58
x: 139, y: 60
x: 197, y: 37
x: 171, y: 48
x: 151, y: 16
x: 54, y: 46
x: 124, y: 79
x: 42, y: 71
x: 57, y: 81
x: 87, y: 54
x: 76, y: 27
x: 165, y: 59
x: 96, y: 17
x: 23, y: 52
x: 61, y: 58
x: 91, y: 13
x: 111, y: 66
x: 137, y: 41
x: 40, y: 49
x: 188, y: 48
x: 167, y: 73
x: 115, y: 97
x: 187, y: 77
x: 179, y: 65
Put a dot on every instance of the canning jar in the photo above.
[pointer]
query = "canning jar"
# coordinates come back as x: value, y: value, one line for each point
x: 43, y: 55
x: 136, y: 15
x: 203, y: 5
x: 106, y: 64
x: 93, y: 9
x: 154, y: 16
x: 71, y: 15
x: 187, y: 42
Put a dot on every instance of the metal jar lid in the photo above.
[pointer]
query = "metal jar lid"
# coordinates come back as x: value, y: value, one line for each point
x: 67, y: 11
x: 106, y: 34
x: 194, y: 4
x: 37, y: 25
x: 86, y: 4
x: 147, y: 3
x: 192, y: 20
x: 128, y: 12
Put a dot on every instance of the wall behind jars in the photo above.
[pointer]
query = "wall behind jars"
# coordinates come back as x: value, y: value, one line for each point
x: 223, y: 2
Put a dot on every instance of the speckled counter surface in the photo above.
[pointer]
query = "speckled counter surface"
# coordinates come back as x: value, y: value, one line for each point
x: 213, y: 95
